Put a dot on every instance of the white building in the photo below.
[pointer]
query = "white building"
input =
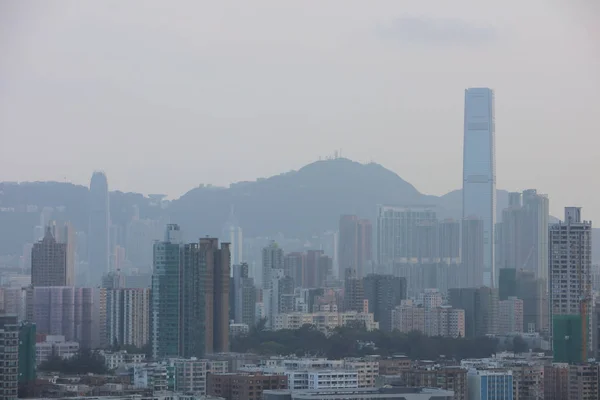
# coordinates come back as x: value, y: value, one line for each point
x: 190, y: 375
x: 238, y: 329
x: 332, y: 379
x: 114, y: 359
x: 323, y: 321
x: 57, y: 346
x: 438, y: 321
x: 431, y: 298
x: 367, y: 370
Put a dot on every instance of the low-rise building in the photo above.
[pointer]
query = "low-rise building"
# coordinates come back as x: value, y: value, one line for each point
x: 55, y: 345
x: 244, y: 386
x: 490, y: 384
x: 113, y: 359
x: 393, y: 393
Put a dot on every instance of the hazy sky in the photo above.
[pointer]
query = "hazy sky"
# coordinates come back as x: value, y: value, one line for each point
x: 164, y: 95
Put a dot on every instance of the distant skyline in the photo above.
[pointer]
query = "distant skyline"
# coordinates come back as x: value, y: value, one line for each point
x: 163, y: 99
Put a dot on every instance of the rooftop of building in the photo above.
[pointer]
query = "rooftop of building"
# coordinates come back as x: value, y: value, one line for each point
x: 362, y: 391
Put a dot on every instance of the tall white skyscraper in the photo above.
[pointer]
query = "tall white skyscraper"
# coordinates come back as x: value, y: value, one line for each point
x: 272, y: 259
x: 232, y: 233
x: 479, y: 171
x: 98, y: 234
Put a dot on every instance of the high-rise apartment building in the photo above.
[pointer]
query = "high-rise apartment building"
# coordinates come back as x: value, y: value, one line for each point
x: 68, y: 311
x: 190, y: 297
x: 318, y: 268
x: 570, y: 258
x: 479, y: 171
x: 427, y: 241
x: 27, y: 359
x: 354, y: 294
x: 355, y: 245
x: 128, y: 316
x: 232, y: 234
x: 397, y: 238
x: 384, y: 293
x: 49, y: 262
x: 472, y: 257
x: 272, y: 258
x: 449, y: 240
x: 98, y: 233
x: 584, y: 382
x: 9, y: 354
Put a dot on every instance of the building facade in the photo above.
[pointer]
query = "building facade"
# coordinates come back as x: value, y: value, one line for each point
x: 128, y: 317
x: 98, y: 232
x: 49, y: 262
x: 9, y: 353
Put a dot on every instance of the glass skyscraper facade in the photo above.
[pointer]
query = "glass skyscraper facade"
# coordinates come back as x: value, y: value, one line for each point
x: 479, y: 171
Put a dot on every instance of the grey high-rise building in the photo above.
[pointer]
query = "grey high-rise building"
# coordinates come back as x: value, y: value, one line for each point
x: 397, y: 238
x: 472, y: 257
x: 98, y: 233
x: 481, y: 309
x: 479, y: 171
x: 49, y: 262
x: 355, y: 245
x: 272, y: 258
x: 384, y: 293
x: 9, y: 353
x: 244, y: 298
x: 449, y: 240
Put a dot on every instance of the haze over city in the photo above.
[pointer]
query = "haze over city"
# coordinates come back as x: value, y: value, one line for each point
x: 292, y: 200
x: 148, y: 93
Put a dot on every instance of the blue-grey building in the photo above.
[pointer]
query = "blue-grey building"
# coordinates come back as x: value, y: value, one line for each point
x: 98, y: 233
x: 490, y: 385
x: 479, y: 171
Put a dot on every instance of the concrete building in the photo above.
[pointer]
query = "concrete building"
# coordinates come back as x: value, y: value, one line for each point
x: 354, y: 293
x: 393, y: 393
x: 490, y: 384
x: 9, y: 353
x: 324, y: 321
x: 294, y: 265
x: 244, y: 296
x: 55, y: 345
x: 27, y: 359
x: 49, y: 262
x: 367, y: 370
x: 449, y: 241
x: 384, y: 293
x: 355, y: 245
x: 528, y: 380
x: 570, y: 281
x: 98, y: 232
x: 510, y: 316
x: 481, y: 309
x: 128, y: 317
x: 114, y: 359
x: 191, y: 375
x: 583, y: 381
x: 272, y: 258
x: 68, y: 311
x: 244, y: 386
x: 556, y: 381
x: 438, y: 321
x: 397, y: 239
x: 447, y: 378
x: 479, y: 172
x: 232, y: 234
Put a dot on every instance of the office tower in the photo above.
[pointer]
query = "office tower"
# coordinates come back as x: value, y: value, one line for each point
x: 354, y: 294
x: 67, y: 311
x: 232, y: 234
x: 397, y: 239
x: 427, y: 241
x: 510, y: 316
x: 490, y: 384
x: 128, y: 317
x: 113, y: 280
x: 218, y: 263
x: 165, y: 295
x: 472, y: 257
x: 98, y: 233
x: 272, y: 258
x: 355, y: 245
x: 384, y: 293
x: 479, y: 170
x: 244, y: 295
x: 9, y: 353
x: 449, y: 240
x: 279, y: 299
x: 27, y: 359
x: 49, y: 262
x: 481, y: 309
x: 507, y: 286
x: 66, y: 234
x: 294, y: 265
x: 570, y: 258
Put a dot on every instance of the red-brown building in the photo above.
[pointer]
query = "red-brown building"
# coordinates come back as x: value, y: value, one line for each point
x: 243, y: 386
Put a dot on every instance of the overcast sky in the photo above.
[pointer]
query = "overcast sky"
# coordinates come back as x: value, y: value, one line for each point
x: 164, y: 95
